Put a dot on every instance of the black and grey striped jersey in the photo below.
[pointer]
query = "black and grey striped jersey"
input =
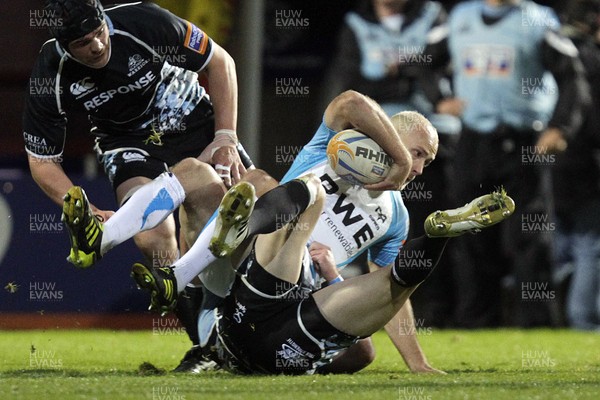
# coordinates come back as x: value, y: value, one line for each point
x: 150, y: 82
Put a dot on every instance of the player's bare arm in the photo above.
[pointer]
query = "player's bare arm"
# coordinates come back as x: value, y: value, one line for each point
x: 222, y: 81
x: 52, y: 179
x: 354, y: 110
x: 401, y: 331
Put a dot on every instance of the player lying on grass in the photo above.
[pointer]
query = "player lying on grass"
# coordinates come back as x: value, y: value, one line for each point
x: 272, y: 321
x: 153, y: 202
x: 380, y: 216
x: 355, y: 219
x: 349, y: 207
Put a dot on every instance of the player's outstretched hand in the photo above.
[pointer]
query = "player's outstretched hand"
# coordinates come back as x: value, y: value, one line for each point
x: 427, y: 369
x: 394, y: 180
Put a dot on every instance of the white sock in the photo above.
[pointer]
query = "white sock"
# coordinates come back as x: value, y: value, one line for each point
x: 150, y: 205
x: 197, y: 258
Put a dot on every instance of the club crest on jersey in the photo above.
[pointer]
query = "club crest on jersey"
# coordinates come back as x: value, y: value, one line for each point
x: 195, y: 39
x: 136, y: 62
x: 82, y: 87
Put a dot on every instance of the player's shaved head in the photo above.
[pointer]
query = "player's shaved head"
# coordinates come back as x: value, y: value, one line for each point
x: 414, y: 123
x: 419, y: 137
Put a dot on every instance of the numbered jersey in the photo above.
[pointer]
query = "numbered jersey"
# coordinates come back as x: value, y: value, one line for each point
x: 354, y: 220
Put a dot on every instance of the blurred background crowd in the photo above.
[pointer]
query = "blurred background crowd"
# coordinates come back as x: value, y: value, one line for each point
x: 512, y: 87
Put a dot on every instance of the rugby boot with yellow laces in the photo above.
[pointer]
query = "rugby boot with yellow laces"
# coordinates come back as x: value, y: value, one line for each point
x: 85, y: 230
x: 161, y: 284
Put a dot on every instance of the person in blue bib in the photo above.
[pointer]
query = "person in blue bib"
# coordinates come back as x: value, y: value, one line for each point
x: 520, y: 92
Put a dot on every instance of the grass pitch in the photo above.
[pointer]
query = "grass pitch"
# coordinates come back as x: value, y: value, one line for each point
x: 499, y: 364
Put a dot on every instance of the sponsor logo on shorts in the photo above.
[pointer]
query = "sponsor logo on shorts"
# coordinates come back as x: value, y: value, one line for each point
x: 292, y: 356
x: 239, y: 312
x: 130, y: 156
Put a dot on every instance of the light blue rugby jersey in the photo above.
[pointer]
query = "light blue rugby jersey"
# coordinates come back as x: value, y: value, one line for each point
x: 498, y: 68
x: 377, y: 224
x: 381, y: 47
x: 353, y: 219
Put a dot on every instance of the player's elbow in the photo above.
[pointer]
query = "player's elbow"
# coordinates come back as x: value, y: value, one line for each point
x: 350, y: 101
x: 345, y: 108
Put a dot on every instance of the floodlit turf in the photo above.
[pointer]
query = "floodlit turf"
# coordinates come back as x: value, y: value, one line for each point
x: 502, y: 364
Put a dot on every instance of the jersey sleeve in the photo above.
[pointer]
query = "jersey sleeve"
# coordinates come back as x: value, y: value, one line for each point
x: 44, y: 124
x: 313, y: 153
x: 319, y: 142
x: 179, y: 42
x: 384, y: 252
x: 196, y: 49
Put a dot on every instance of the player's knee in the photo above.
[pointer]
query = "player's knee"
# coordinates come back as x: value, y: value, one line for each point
x: 261, y: 180
x: 353, y: 359
x: 192, y: 173
x: 187, y: 164
x: 365, y: 355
